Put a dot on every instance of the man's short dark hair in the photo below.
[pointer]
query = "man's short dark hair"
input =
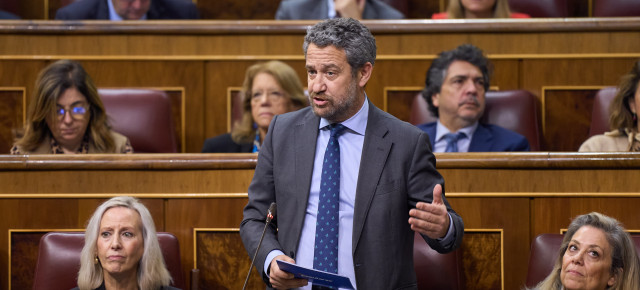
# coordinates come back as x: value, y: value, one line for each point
x: 344, y: 33
x: 438, y: 70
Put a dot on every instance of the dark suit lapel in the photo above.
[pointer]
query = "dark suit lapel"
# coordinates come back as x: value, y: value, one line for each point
x: 320, y: 9
x: 369, y: 12
x: 374, y: 156
x: 102, y: 13
x: 245, y: 147
x: 304, y: 150
x: 312, y: 9
x: 482, y: 140
x: 431, y: 131
x: 156, y: 10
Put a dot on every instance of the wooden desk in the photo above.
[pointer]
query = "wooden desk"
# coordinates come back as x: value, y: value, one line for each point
x: 562, y: 61
x: 504, y: 199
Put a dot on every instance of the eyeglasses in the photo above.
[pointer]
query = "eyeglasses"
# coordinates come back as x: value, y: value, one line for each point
x: 77, y: 112
x: 272, y: 96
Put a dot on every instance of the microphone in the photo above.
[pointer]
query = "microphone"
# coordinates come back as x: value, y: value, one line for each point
x: 270, y: 214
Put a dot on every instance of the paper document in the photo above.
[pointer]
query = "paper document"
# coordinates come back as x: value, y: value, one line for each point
x: 316, y: 277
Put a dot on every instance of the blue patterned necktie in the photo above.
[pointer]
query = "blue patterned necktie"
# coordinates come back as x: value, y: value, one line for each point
x: 325, y: 256
x: 452, y: 141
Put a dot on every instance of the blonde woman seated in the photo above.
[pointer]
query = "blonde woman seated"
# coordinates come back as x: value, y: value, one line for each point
x: 623, y: 118
x: 470, y: 9
x: 121, y: 249
x: 270, y: 88
x: 596, y: 254
x: 66, y: 116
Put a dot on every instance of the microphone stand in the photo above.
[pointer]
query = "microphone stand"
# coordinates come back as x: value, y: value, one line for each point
x: 268, y: 221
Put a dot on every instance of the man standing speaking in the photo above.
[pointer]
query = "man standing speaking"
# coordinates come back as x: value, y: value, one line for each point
x: 352, y: 183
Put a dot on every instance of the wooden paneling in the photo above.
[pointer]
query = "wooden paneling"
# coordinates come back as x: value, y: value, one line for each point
x: 12, y: 111
x: 505, y: 200
x: 482, y: 260
x: 236, y: 110
x: 398, y: 101
x: 177, y: 97
x: 24, y: 255
x: 188, y: 214
x: 219, y: 250
x: 229, y: 9
x: 26, y: 9
x: 565, y: 209
x: 511, y: 216
x: 422, y: 9
x: 207, y: 58
x: 588, y: 71
x: 567, y: 111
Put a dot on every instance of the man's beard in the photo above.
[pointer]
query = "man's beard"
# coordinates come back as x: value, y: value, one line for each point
x: 338, y: 108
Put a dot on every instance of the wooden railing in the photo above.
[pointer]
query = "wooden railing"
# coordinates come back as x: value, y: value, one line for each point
x: 562, y: 61
x: 505, y: 200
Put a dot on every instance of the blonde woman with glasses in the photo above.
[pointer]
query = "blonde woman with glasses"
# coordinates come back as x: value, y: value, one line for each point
x: 67, y: 116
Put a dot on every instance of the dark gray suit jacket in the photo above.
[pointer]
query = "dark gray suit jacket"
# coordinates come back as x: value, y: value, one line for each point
x: 318, y: 9
x: 396, y: 171
x: 99, y: 10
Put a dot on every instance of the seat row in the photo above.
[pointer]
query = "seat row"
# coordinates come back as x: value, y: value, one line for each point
x: 517, y: 110
x: 416, y: 9
x: 145, y: 117
x: 553, y: 8
x: 59, y: 261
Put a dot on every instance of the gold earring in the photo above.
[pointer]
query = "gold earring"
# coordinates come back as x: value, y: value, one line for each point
x: 95, y: 260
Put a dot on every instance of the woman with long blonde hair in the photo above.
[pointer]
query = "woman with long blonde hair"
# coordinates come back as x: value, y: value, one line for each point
x: 596, y: 253
x: 121, y: 249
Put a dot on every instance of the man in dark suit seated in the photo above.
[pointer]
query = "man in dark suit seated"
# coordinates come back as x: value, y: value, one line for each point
x: 455, y: 92
x: 324, y: 9
x: 128, y: 10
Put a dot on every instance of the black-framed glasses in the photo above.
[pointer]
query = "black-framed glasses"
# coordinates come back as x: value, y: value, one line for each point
x: 77, y: 112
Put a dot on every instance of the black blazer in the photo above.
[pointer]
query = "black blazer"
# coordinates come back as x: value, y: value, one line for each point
x: 224, y: 144
x: 99, y: 10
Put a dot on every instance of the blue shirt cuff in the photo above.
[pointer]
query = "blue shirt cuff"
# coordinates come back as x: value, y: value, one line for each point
x: 448, y: 238
x: 270, y: 257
